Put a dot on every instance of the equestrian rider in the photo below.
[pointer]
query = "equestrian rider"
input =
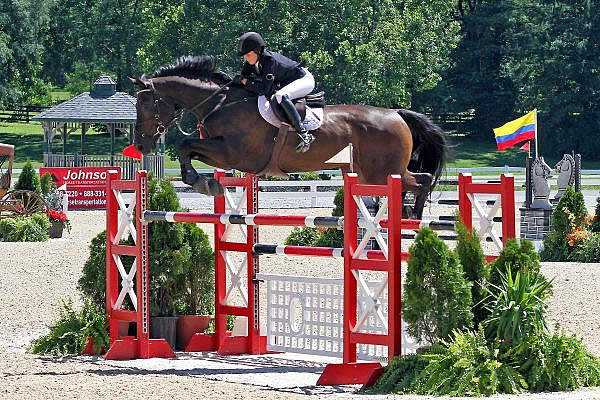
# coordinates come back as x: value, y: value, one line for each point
x: 272, y: 74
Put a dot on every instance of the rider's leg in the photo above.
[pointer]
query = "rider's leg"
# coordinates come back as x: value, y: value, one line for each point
x: 298, y: 88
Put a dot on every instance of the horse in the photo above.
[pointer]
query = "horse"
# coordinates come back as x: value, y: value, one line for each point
x: 235, y: 136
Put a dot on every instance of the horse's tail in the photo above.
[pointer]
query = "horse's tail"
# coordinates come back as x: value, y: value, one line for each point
x: 430, y: 145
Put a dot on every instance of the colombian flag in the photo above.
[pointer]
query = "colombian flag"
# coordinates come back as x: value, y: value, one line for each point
x: 516, y: 131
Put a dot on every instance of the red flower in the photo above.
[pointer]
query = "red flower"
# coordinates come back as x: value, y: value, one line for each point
x: 57, y: 215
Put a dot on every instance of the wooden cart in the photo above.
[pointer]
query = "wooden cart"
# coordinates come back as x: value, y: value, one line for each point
x: 15, y: 202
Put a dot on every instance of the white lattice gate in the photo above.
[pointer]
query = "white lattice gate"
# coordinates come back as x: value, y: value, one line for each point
x: 305, y: 315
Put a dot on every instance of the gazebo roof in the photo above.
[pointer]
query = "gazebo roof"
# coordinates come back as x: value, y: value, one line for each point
x: 102, y: 105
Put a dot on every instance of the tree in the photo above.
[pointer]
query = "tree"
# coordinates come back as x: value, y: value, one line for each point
x: 475, y: 81
x: 21, y: 51
x: 555, y: 58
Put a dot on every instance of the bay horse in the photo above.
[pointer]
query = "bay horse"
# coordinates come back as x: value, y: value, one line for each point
x: 384, y: 141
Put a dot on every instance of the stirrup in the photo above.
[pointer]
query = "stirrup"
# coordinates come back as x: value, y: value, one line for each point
x: 305, y: 141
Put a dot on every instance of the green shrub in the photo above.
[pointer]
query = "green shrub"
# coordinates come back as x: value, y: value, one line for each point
x: 519, y: 257
x: 557, y: 363
x: 302, y: 236
x: 400, y: 375
x: 330, y: 238
x: 569, y: 214
x: 437, y: 297
x: 28, y: 179
x: 589, y: 250
x: 468, y: 366
x: 25, y: 229
x: 517, y: 309
x: 69, y: 333
x: 199, y: 294
x: 92, y: 283
x: 595, y: 225
x: 173, y: 253
x: 338, y: 201
x: 46, y: 183
x: 309, y: 176
x: 472, y: 259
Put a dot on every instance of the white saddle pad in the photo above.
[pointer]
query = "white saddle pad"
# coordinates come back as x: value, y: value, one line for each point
x: 312, y: 121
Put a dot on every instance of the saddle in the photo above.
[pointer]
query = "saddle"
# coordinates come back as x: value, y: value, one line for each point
x: 313, y: 100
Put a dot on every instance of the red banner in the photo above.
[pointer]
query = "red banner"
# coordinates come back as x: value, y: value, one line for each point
x: 86, y: 186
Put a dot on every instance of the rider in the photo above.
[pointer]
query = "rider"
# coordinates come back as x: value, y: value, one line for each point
x: 276, y: 73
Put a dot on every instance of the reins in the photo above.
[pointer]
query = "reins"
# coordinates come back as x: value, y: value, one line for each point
x: 178, y: 114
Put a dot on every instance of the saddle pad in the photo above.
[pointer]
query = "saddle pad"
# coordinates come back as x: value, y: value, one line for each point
x: 312, y: 121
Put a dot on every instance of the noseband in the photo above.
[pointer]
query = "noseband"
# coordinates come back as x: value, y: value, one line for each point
x: 162, y: 127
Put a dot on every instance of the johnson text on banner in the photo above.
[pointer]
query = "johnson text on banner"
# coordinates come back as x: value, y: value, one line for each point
x: 516, y: 131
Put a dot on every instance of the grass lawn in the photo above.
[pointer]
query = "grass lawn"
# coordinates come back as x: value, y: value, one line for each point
x: 467, y: 153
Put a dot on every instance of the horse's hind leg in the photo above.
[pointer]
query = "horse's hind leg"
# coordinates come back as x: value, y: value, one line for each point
x: 420, y: 184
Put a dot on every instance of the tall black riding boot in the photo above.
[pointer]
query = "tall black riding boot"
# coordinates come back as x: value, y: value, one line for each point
x: 306, y: 138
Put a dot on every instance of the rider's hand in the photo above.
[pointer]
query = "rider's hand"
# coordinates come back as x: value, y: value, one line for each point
x: 237, y: 80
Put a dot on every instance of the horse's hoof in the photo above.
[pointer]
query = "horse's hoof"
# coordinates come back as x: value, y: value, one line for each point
x: 215, y: 188
x: 189, y: 176
x: 201, y: 186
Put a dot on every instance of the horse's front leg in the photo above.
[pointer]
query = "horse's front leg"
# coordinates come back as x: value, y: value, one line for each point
x: 189, y: 175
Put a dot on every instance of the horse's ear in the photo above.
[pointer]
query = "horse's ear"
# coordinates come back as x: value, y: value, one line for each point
x: 138, y: 82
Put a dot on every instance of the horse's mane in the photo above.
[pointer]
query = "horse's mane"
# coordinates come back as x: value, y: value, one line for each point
x: 193, y: 67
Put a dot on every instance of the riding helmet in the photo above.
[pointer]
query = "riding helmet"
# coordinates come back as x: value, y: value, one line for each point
x: 250, y: 41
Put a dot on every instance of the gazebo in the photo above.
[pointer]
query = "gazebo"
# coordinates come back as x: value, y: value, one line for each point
x: 102, y: 106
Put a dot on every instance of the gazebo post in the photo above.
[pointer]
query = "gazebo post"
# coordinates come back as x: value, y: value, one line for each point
x: 112, y: 144
x: 64, y: 146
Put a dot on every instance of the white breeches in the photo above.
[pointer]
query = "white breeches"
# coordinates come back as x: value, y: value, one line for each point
x: 298, y: 88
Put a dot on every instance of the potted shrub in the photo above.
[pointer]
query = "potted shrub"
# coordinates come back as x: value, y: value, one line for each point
x: 59, y: 221
x: 197, y: 303
x: 169, y: 256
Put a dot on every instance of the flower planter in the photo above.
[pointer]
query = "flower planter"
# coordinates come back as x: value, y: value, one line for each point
x: 188, y: 325
x: 164, y: 328
x: 56, y: 229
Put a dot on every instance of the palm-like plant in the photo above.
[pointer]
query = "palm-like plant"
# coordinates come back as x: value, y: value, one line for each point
x: 518, y: 308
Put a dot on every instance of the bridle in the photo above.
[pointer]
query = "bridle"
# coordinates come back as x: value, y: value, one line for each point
x: 162, y: 127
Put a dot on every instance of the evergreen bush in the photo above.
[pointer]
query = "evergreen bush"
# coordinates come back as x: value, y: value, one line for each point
x: 519, y: 257
x: 199, y: 294
x: 302, y: 236
x: 28, y: 179
x: 330, y: 238
x: 338, y: 203
x: 472, y: 259
x: 174, y: 252
x: 569, y: 214
x: 437, y: 297
x: 595, y: 224
x: 46, y: 184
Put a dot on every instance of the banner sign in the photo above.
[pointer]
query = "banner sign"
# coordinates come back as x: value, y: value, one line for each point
x: 86, y: 186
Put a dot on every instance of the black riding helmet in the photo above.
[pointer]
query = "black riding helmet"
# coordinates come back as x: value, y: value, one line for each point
x: 250, y: 41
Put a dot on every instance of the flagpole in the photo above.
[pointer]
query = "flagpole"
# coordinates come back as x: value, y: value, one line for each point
x: 536, y: 127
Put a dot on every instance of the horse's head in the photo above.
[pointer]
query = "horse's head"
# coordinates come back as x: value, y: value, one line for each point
x: 154, y: 115
x: 540, y: 168
x: 192, y: 81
